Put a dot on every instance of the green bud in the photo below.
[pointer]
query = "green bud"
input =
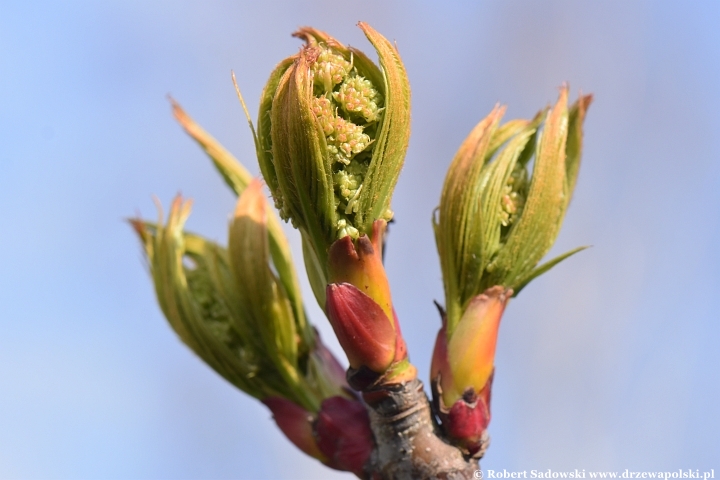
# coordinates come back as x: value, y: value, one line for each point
x: 238, y: 179
x: 497, y: 219
x: 333, y: 130
x: 186, y: 270
x: 232, y: 310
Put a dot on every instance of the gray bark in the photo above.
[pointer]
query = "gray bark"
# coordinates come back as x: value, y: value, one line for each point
x: 409, y: 445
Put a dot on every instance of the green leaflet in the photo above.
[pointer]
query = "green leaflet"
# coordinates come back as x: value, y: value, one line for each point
x: 573, y: 148
x: 299, y: 155
x: 259, y: 291
x: 536, y: 272
x: 459, y: 208
x: 535, y: 232
x: 394, y: 133
x: 494, y: 180
x: 263, y: 141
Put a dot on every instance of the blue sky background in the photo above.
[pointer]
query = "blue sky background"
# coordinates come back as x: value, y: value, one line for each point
x: 609, y: 362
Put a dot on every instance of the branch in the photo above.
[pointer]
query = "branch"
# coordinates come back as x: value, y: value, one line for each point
x: 408, y: 441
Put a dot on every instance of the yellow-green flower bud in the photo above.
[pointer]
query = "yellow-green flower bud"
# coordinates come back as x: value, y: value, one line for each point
x: 497, y: 220
x: 358, y: 95
x: 333, y: 130
x: 330, y: 69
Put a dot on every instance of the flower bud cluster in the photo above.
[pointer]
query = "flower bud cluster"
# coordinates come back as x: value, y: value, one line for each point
x: 344, y: 138
x: 513, y: 198
x: 330, y: 69
x: 332, y: 134
x: 333, y: 130
x: 345, y: 104
x: 358, y: 95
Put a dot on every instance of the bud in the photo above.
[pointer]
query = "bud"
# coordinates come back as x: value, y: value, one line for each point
x: 360, y: 310
x: 232, y: 310
x: 343, y: 434
x: 360, y: 264
x: 338, y: 435
x: 496, y: 220
x: 495, y: 223
x: 296, y: 423
x: 188, y: 272
x: 333, y: 129
x: 366, y: 334
x: 462, y: 370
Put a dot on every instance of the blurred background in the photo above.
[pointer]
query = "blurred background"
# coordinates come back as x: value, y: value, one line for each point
x: 608, y: 362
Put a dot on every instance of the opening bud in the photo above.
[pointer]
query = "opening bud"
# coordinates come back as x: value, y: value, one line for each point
x: 333, y: 130
x: 496, y: 218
